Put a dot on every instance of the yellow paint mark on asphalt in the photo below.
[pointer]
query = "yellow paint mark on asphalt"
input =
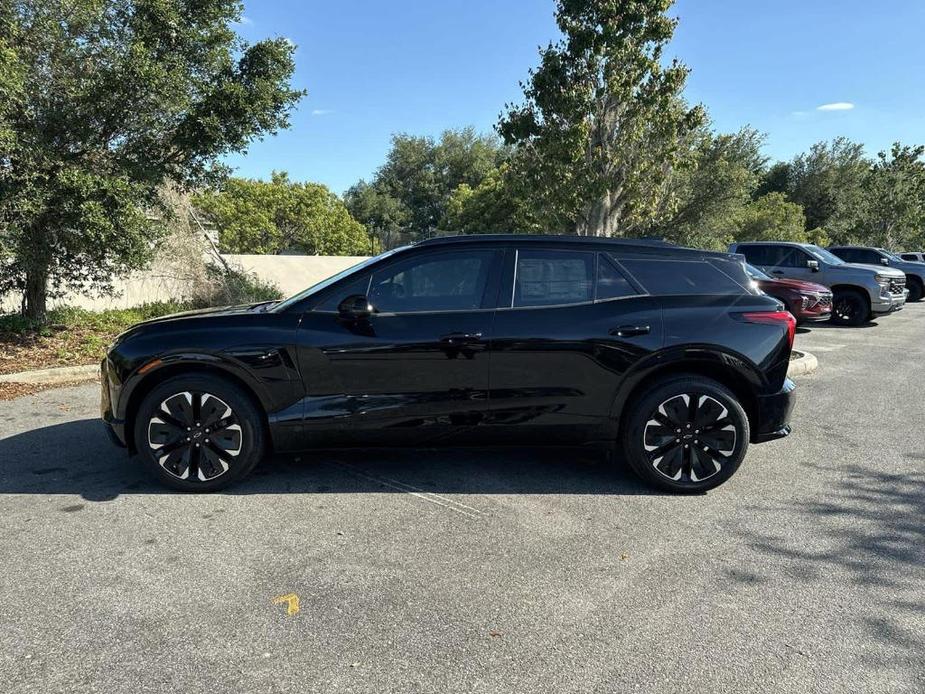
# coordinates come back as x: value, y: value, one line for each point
x: 291, y: 600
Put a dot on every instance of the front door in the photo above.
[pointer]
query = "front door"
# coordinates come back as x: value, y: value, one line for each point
x: 417, y: 370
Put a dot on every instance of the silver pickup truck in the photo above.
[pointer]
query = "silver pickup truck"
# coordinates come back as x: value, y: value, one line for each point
x: 869, y: 255
x: 861, y: 292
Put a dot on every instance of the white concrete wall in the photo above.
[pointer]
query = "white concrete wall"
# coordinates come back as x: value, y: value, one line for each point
x: 291, y: 273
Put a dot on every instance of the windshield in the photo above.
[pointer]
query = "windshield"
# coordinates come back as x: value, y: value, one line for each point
x: 755, y: 273
x: 324, y: 284
x: 824, y: 255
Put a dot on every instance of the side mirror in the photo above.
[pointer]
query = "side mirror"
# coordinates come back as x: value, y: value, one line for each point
x: 884, y: 261
x: 813, y: 265
x: 355, y: 307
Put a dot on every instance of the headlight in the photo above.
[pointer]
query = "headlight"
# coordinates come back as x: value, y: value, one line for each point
x: 806, y: 301
x: 883, y: 279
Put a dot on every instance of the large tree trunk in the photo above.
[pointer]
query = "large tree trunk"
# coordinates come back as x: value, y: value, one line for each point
x: 601, y: 218
x: 35, y: 296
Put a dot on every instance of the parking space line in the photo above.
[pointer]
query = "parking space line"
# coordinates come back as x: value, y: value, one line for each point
x: 436, y: 499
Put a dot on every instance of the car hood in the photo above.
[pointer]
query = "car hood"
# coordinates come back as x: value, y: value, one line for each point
x: 206, y: 312
x: 879, y: 269
x: 798, y: 285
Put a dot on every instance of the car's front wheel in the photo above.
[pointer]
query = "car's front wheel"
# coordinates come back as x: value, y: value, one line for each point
x: 688, y: 434
x: 849, y: 308
x: 199, y: 433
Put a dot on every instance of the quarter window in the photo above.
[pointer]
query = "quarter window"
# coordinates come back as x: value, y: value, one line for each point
x: 359, y: 286
x: 441, y: 282
x: 681, y: 276
x: 549, y: 278
x: 611, y: 283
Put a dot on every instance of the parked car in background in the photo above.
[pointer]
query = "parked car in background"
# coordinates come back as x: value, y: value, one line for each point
x: 668, y: 355
x: 860, y: 292
x: 808, y: 302
x: 915, y: 257
x: 915, y: 271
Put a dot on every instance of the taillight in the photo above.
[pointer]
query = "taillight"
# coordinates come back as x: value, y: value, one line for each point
x: 783, y: 318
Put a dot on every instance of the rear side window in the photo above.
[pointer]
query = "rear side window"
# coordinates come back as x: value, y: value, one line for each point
x: 663, y: 277
x: 909, y: 256
x: 549, y: 278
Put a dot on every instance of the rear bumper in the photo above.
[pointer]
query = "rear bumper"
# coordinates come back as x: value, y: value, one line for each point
x: 772, y: 414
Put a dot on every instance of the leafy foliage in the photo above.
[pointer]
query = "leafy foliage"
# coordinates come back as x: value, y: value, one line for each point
x: 771, y: 218
x: 498, y: 204
x: 231, y: 287
x: 280, y: 215
x: 141, y: 92
x: 603, y: 125
x: 412, y: 190
x: 895, y: 208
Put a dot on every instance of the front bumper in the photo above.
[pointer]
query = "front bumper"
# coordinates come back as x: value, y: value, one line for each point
x: 772, y: 414
x: 114, y: 427
x: 889, y: 304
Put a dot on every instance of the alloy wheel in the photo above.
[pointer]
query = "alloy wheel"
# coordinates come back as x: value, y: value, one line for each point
x: 195, y: 435
x: 689, y: 437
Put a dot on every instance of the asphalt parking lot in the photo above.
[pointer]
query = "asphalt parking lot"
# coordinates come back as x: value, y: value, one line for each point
x: 514, y: 571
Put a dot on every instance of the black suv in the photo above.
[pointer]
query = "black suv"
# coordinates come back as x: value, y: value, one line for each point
x: 667, y: 354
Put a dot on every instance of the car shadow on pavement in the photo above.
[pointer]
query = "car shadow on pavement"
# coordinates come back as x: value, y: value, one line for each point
x: 78, y: 458
x: 870, y: 532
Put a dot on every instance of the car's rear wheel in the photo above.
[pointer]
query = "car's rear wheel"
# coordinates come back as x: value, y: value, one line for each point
x: 688, y: 434
x: 849, y: 308
x: 199, y: 433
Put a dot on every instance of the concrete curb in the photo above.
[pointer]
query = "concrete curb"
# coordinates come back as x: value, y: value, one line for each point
x: 64, y: 374
x: 804, y: 365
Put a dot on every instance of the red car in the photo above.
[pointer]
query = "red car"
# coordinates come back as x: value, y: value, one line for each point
x: 807, y: 302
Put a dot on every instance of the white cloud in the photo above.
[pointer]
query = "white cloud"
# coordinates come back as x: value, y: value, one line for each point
x: 321, y: 111
x: 836, y: 106
x: 245, y: 21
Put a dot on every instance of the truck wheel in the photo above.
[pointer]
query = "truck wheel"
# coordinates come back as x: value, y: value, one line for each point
x: 849, y: 307
x: 914, y: 284
x: 688, y: 434
x: 199, y: 433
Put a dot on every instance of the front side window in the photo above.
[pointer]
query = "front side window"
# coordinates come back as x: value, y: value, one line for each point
x: 454, y: 281
x: 550, y: 278
x: 666, y: 277
x: 792, y: 257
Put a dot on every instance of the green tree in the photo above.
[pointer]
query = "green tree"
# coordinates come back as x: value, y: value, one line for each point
x: 498, y: 204
x: 413, y: 188
x: 118, y: 98
x: 771, y: 218
x: 603, y: 125
x: 280, y: 215
x: 895, y: 210
x: 714, y: 190
x: 829, y: 183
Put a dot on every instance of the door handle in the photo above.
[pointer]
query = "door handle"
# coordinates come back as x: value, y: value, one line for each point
x: 458, y: 339
x: 777, y: 272
x: 630, y: 330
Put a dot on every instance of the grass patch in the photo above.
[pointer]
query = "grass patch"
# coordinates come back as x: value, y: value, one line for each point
x: 71, y: 336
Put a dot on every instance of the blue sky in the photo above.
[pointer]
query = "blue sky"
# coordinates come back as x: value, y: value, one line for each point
x: 375, y: 67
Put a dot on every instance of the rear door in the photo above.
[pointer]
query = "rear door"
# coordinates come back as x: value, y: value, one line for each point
x: 569, y: 325
x: 417, y: 369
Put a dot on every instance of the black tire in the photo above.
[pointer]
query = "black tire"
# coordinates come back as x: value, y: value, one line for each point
x: 914, y: 285
x: 850, y: 307
x: 681, y: 466
x: 230, y: 433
